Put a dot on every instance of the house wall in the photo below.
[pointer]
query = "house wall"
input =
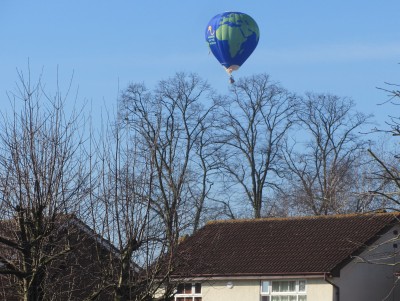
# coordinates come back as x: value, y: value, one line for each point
x: 249, y: 290
x: 242, y: 290
x: 369, y: 281
x: 318, y: 290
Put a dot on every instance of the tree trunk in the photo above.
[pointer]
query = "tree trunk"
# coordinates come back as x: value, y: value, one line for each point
x: 33, y: 287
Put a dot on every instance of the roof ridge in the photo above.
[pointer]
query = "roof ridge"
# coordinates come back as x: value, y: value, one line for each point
x: 308, y: 217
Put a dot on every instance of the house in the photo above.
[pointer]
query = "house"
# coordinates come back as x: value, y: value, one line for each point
x: 76, y: 275
x: 324, y: 258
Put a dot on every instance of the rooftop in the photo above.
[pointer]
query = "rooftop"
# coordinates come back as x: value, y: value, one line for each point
x: 279, y: 246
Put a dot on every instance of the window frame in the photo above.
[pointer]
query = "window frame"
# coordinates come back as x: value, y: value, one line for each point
x: 193, y: 296
x: 270, y: 293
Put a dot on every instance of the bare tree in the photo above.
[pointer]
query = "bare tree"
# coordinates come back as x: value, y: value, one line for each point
x: 386, y: 162
x: 42, y: 175
x: 171, y: 124
x: 171, y: 128
x: 384, y: 173
x: 253, y: 131
x: 120, y: 212
x: 393, y: 123
x: 324, y: 168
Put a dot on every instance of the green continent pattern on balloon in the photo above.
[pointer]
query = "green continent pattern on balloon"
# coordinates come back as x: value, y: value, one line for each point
x: 235, y: 32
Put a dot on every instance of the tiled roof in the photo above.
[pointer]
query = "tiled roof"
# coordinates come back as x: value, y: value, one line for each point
x: 279, y: 246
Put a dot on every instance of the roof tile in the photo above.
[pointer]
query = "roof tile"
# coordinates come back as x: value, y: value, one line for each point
x: 278, y: 246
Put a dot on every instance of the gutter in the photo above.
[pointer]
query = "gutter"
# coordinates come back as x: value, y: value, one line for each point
x: 244, y: 276
x: 337, y: 288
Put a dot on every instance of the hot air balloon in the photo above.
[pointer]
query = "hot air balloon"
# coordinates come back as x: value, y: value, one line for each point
x: 232, y: 37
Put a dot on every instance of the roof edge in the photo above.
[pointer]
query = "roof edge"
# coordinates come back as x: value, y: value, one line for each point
x: 329, y: 216
x: 252, y: 276
x: 335, y: 271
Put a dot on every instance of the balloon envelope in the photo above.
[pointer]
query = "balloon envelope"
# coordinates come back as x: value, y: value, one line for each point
x: 232, y: 37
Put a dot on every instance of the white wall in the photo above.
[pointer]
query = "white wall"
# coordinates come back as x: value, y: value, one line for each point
x: 242, y: 290
x: 249, y: 290
x: 372, y: 282
x: 319, y: 290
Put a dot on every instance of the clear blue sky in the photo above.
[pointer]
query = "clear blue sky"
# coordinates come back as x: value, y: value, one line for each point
x: 343, y: 47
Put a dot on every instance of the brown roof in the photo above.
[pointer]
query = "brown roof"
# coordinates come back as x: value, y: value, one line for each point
x: 279, y: 246
x: 75, y: 275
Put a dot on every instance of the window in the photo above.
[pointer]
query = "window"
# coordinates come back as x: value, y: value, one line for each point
x: 283, y: 290
x: 188, y: 292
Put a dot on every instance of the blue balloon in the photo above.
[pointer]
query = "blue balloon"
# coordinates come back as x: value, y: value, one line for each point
x: 232, y: 37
